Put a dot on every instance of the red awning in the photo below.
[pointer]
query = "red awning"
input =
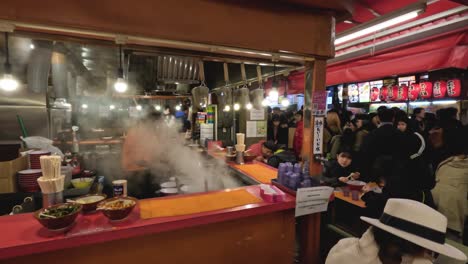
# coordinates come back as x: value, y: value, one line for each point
x: 447, y: 51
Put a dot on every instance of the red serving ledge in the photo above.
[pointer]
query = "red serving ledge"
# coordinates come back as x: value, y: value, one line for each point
x: 23, y: 235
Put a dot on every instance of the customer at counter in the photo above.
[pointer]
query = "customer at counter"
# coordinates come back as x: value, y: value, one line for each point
x: 273, y: 155
x: 407, y: 232
x: 337, y: 172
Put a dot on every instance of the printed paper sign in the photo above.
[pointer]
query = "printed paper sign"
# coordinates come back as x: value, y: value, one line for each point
x: 257, y: 114
x: 312, y: 200
x: 319, y: 102
x: 318, y: 135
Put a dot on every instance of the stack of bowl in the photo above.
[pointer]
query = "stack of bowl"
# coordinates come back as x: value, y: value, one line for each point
x: 34, y: 158
x: 27, y: 180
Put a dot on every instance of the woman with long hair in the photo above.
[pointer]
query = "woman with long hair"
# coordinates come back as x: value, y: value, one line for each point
x: 332, y: 128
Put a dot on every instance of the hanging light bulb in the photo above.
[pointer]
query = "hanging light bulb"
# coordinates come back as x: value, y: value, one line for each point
x: 139, y: 108
x: 227, y: 108
x: 285, y: 102
x: 248, y: 106
x: 8, y: 83
x: 120, y: 85
x: 157, y: 107
x: 111, y: 107
x: 178, y: 108
x: 273, y: 94
x: 265, y: 102
x: 84, y: 106
x: 236, y: 107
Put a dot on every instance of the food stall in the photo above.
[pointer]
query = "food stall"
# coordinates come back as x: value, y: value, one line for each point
x: 229, y: 225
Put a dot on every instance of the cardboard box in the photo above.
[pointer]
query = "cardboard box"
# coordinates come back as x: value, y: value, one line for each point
x: 8, y: 170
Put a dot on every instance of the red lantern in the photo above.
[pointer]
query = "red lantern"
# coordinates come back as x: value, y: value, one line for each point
x: 392, y: 92
x: 383, y: 93
x: 439, y: 89
x: 375, y: 92
x: 453, y: 88
x: 402, y: 93
x: 426, y: 90
x: 413, y: 92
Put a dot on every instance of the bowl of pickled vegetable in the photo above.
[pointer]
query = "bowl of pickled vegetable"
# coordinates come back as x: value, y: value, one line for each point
x: 58, y: 217
x: 118, y: 208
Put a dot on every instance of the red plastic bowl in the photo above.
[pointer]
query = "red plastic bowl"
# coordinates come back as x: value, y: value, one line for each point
x: 356, y: 185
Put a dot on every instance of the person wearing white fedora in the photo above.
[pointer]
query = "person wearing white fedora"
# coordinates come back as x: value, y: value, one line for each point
x: 408, y: 232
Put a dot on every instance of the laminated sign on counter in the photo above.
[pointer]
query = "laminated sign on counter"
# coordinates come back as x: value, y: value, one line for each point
x: 312, y: 200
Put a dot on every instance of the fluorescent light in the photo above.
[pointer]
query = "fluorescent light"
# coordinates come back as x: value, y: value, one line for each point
x: 444, y: 102
x: 377, y: 27
x: 8, y: 83
x: 248, y: 106
x: 236, y: 106
x: 419, y: 103
x: 120, y: 85
x: 31, y: 46
x: 348, y: 22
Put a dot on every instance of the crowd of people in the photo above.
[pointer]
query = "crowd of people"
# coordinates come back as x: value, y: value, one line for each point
x: 422, y: 157
x: 419, y: 164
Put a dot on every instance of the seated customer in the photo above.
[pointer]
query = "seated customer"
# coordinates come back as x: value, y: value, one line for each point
x: 408, y: 232
x: 273, y: 155
x: 338, y: 170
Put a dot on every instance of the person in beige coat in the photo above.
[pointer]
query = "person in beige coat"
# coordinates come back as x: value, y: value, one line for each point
x: 451, y: 190
x: 408, y: 232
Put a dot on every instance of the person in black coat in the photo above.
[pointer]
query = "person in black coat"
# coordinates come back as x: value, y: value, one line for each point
x: 385, y: 158
x: 276, y: 132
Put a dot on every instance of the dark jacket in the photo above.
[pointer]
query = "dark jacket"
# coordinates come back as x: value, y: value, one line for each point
x: 385, y: 155
x: 281, y: 136
x: 333, y: 171
x: 281, y: 156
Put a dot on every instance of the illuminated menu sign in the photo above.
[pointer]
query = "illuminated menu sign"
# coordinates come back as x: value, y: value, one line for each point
x: 353, y: 93
x: 375, y: 90
x: 364, y: 92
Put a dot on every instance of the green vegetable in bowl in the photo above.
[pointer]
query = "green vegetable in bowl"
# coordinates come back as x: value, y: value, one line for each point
x: 58, y: 212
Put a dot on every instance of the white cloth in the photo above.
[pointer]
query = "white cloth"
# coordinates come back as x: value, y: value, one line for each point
x: 451, y: 191
x: 362, y: 250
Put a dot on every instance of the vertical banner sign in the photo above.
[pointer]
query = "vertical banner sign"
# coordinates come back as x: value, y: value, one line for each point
x: 318, y: 135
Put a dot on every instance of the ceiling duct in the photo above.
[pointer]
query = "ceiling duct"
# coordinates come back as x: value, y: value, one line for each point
x: 177, y: 69
x: 39, y: 66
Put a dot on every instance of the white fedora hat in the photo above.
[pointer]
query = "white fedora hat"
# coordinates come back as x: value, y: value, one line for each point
x: 417, y: 223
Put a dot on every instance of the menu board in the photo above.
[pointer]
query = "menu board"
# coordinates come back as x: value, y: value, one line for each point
x: 375, y: 90
x: 408, y: 80
x: 340, y: 93
x: 364, y: 92
x: 353, y: 93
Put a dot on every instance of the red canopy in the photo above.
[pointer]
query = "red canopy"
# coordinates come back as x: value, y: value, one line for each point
x: 446, y: 51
